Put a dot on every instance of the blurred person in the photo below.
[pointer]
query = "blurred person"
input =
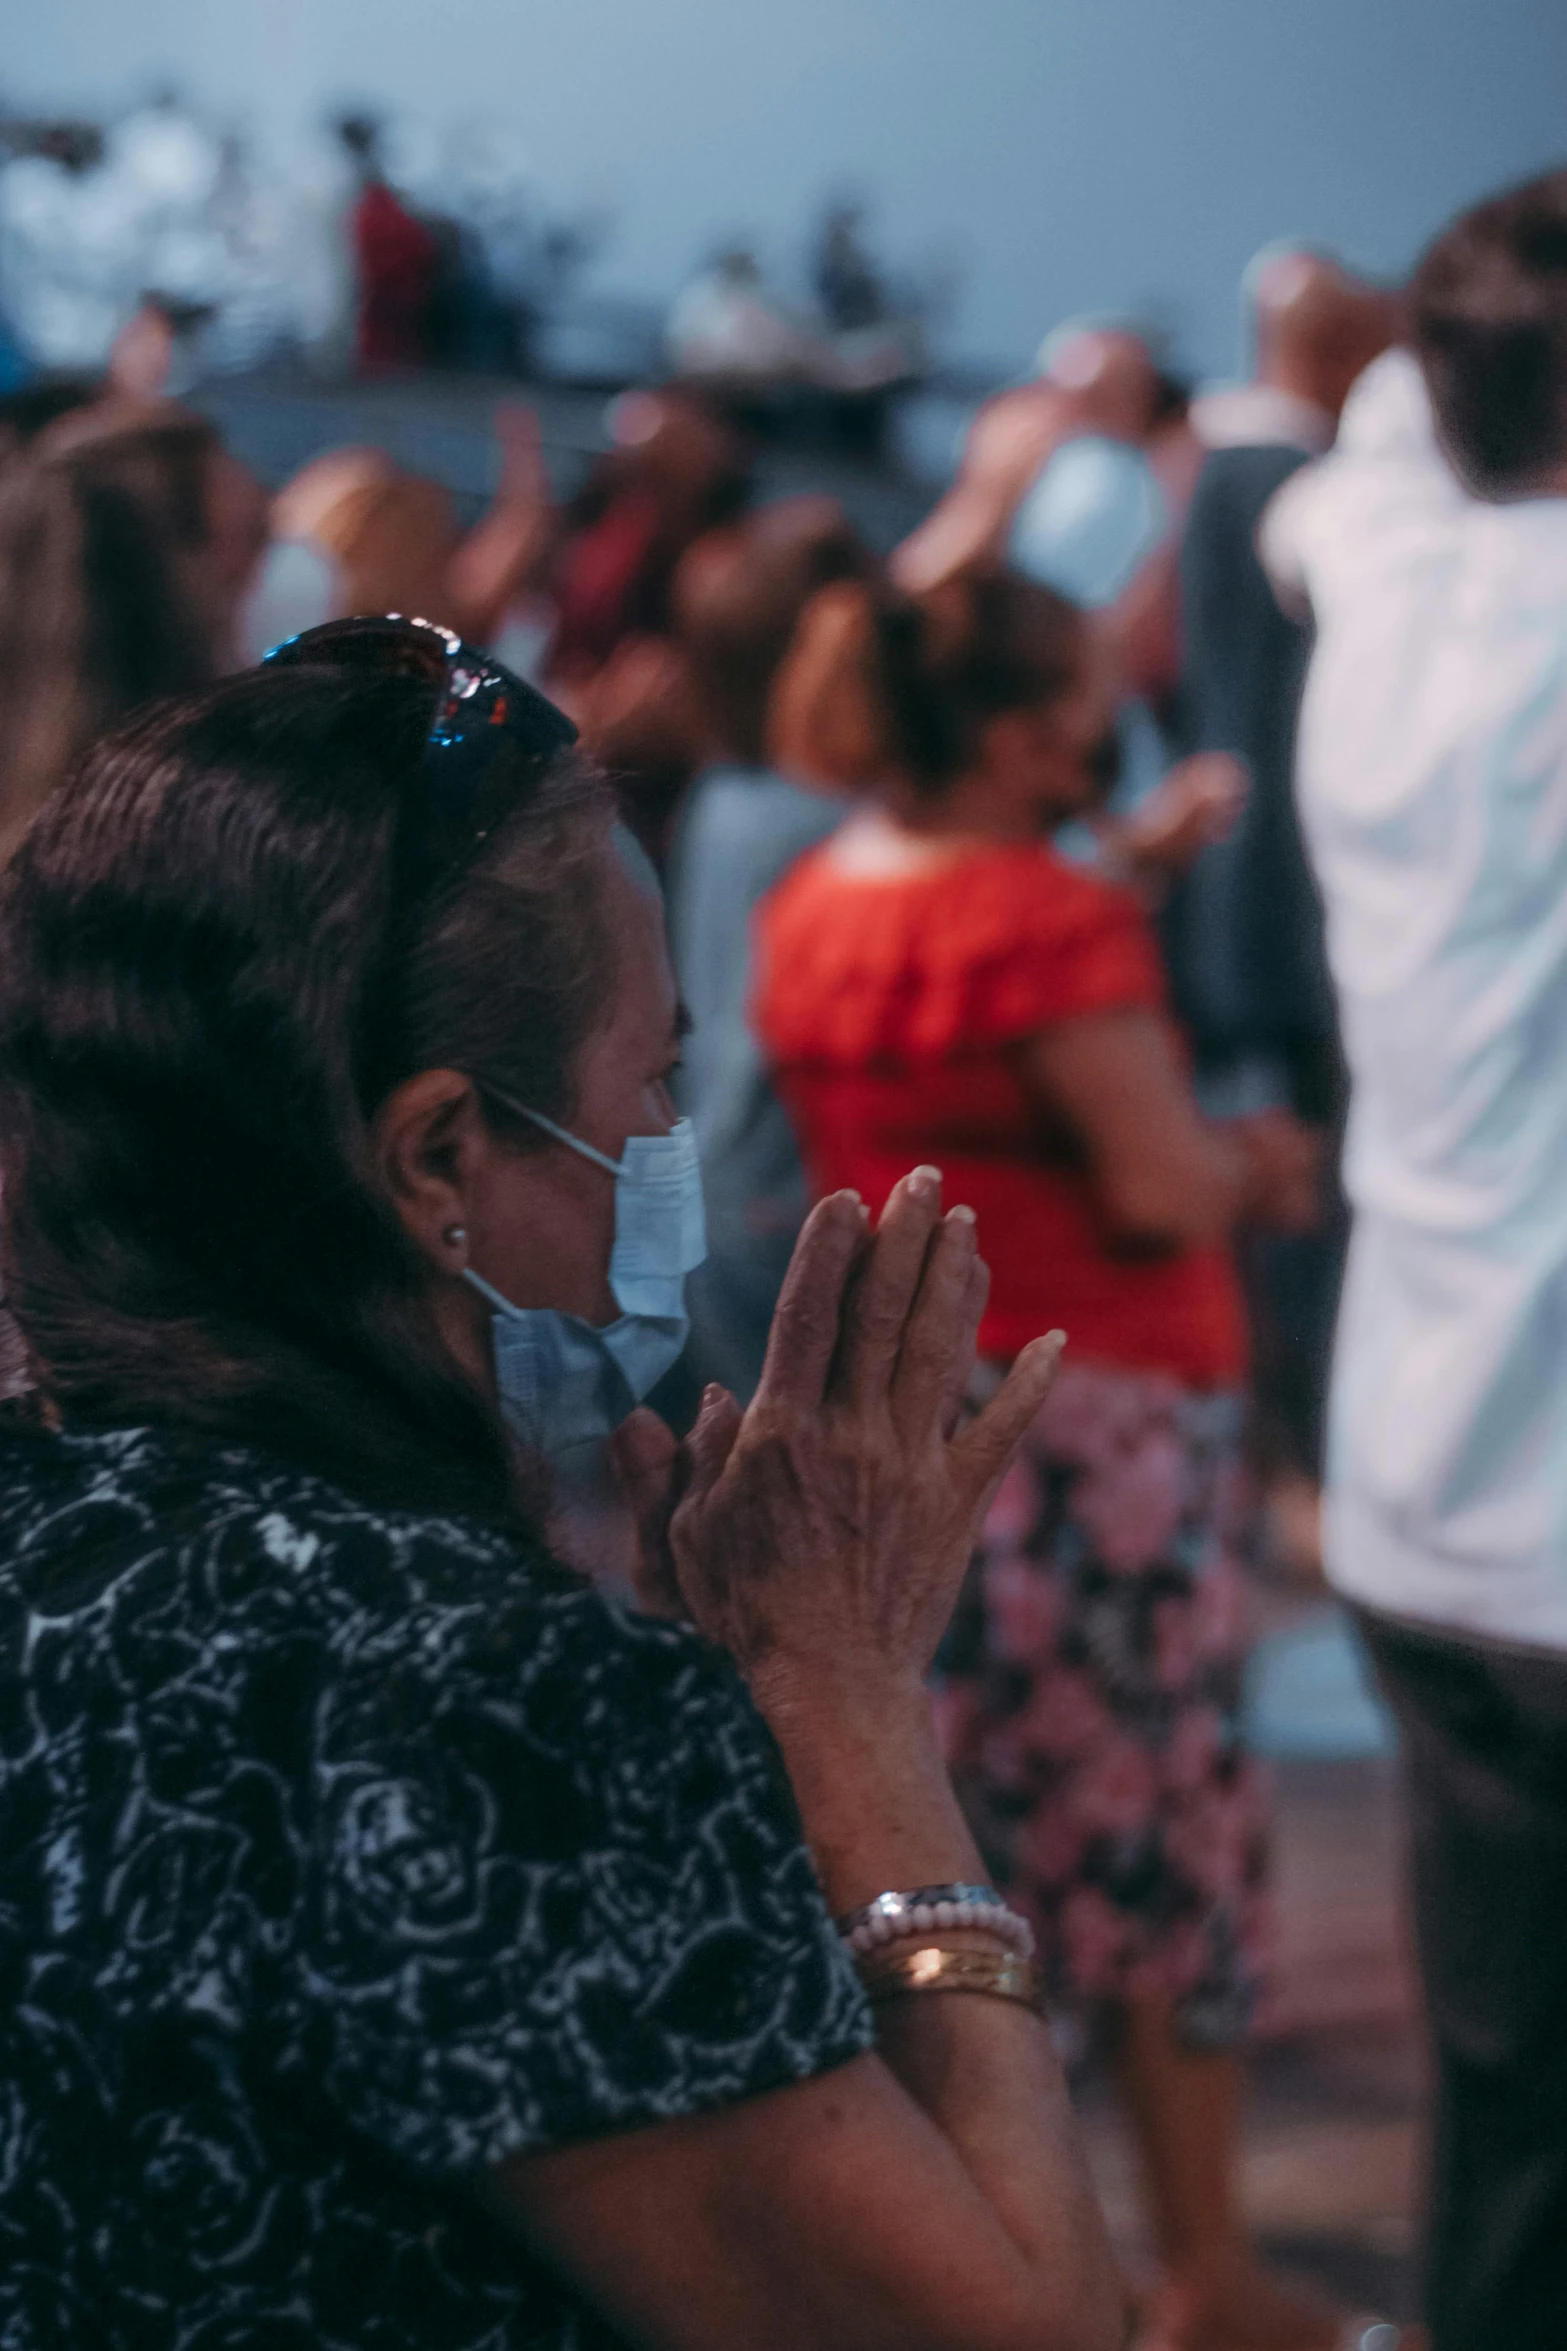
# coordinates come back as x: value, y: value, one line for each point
x: 397, y: 260
x: 1092, y: 380
x: 419, y: 1947
x: 673, y: 471
x: 127, y: 538
x: 1432, y: 772
x: 38, y: 403
x: 353, y: 531
x: 737, y: 597
x: 729, y: 329
x: 935, y: 979
x: 1243, y: 929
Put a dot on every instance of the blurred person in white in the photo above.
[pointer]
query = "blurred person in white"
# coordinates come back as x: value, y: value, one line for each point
x: 1432, y: 771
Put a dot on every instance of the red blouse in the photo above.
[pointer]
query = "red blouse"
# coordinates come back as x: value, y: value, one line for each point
x: 892, y: 1009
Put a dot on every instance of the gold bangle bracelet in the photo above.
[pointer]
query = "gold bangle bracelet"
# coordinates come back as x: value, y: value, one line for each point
x: 1001, y: 1974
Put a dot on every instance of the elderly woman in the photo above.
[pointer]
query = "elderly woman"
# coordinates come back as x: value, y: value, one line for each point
x: 402, y: 1945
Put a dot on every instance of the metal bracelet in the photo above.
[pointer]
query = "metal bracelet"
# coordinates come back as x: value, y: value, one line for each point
x: 1002, y: 1975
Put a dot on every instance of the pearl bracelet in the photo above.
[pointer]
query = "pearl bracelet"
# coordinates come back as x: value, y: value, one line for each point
x: 893, y: 1917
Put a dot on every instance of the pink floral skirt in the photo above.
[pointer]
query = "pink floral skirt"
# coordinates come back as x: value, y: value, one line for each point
x: 1089, y: 1694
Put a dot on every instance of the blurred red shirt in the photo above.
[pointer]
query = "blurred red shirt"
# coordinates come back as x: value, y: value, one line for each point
x: 893, y: 1008
x: 398, y: 261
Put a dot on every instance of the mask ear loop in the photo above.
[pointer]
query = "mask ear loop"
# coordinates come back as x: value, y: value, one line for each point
x: 487, y: 1290
x: 572, y: 1142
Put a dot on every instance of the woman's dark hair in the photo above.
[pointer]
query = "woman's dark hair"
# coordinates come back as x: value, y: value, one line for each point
x: 880, y: 684
x: 207, y: 985
x: 1489, y: 306
x: 96, y: 520
x: 32, y: 409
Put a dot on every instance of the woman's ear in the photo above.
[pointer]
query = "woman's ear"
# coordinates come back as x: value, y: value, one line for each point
x: 429, y: 1135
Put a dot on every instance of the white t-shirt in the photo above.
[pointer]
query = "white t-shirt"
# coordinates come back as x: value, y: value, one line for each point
x: 1432, y: 774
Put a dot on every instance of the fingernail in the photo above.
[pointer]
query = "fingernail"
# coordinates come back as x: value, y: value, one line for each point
x: 925, y: 1179
x: 1055, y: 1339
x: 961, y: 1215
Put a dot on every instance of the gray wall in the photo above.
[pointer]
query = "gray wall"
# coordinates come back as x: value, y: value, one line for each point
x: 1080, y: 154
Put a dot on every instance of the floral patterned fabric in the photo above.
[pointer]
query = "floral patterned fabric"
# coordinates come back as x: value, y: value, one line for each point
x: 1090, y: 1700
x: 343, y: 1855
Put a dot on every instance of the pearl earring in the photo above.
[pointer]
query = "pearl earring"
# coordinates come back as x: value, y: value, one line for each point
x: 455, y: 1235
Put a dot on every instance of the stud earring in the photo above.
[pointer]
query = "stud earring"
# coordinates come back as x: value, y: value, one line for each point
x: 455, y: 1236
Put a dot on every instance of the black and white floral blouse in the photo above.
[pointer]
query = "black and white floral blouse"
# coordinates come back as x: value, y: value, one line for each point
x: 343, y: 1855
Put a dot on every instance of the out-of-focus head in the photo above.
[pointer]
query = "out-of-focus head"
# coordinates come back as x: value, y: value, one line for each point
x: 26, y: 413
x: 126, y: 537
x: 176, y: 463
x: 1489, y: 304
x: 672, y: 444
x: 911, y: 696
x: 738, y: 595
x: 1315, y: 325
x: 1109, y: 374
x: 259, y: 1087
x: 392, y: 535
x: 309, y: 496
x: 360, y: 137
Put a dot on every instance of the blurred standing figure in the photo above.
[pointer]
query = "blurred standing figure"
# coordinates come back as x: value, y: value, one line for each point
x: 1433, y: 784
x: 737, y: 596
x: 354, y: 532
x: 1097, y: 380
x: 128, y: 536
x: 936, y: 983
x: 396, y: 257
x: 1243, y: 930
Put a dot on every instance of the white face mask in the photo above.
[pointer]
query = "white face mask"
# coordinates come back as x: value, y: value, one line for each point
x: 563, y: 1381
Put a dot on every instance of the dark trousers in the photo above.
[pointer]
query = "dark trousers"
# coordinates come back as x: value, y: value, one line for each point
x: 1485, y: 1755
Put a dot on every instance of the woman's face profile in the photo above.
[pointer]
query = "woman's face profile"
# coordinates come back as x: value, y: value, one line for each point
x: 538, y: 1223
x: 548, y: 1224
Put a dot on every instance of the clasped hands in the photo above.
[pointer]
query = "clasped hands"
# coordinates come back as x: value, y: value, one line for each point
x: 823, y: 1532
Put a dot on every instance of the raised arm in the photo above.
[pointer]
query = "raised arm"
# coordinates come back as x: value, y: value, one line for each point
x: 932, y: 2197
x: 1165, y: 1177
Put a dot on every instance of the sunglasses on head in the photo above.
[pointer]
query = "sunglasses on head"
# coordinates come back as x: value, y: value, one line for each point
x: 465, y: 790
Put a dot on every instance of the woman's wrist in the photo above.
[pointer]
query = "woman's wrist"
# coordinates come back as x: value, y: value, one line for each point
x: 875, y: 1799
x: 813, y: 1699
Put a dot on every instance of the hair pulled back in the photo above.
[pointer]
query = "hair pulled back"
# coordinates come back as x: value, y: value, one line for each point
x: 207, y: 985
x: 1489, y: 301
x: 879, y: 684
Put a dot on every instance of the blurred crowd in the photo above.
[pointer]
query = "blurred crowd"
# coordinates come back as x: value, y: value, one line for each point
x: 986, y: 853
x: 370, y: 247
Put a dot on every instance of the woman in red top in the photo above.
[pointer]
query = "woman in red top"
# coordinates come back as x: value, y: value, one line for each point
x: 937, y: 984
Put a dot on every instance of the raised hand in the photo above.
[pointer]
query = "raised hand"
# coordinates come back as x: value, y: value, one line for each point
x: 825, y: 1531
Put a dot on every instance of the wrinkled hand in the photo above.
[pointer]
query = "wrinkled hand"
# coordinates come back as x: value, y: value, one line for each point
x: 823, y: 1534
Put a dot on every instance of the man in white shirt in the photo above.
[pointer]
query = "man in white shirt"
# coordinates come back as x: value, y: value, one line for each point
x: 1432, y: 773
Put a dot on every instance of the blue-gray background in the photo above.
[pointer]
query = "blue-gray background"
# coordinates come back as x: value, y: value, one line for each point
x: 1074, y: 154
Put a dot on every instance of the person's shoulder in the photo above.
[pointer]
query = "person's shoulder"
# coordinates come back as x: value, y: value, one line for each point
x: 1029, y: 893
x: 744, y: 826
x: 83, y: 1506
